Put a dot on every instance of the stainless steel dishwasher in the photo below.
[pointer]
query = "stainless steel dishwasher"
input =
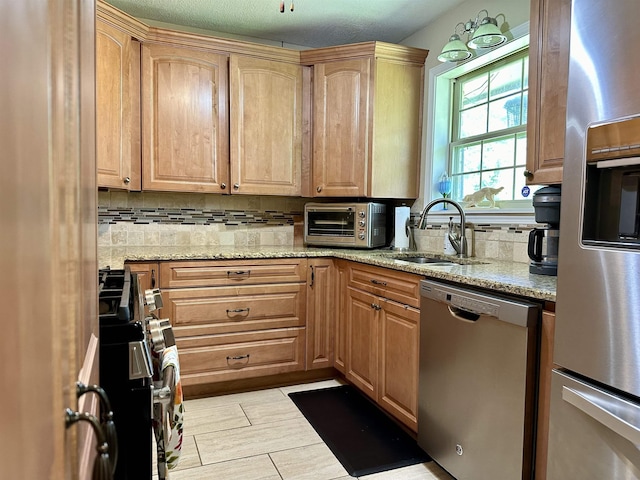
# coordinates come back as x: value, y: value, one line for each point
x: 477, y: 382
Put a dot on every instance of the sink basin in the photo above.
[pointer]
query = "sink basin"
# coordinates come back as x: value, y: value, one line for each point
x: 429, y: 260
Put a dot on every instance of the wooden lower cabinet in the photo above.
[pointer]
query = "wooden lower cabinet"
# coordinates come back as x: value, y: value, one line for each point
x: 398, y: 361
x: 382, y: 340
x: 215, y: 358
x: 236, y: 319
x: 321, y: 313
x: 342, y: 299
x: 544, y: 391
x: 362, y: 342
x: 147, y: 274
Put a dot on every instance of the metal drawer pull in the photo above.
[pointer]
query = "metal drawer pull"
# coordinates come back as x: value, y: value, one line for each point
x: 239, y: 357
x: 102, y: 466
x: 378, y: 282
x: 238, y: 310
x: 598, y: 409
x: 238, y: 272
x: 236, y: 358
x: 109, y: 428
x: 375, y: 306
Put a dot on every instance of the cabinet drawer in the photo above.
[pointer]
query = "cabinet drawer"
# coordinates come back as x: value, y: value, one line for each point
x: 212, y: 310
x: 399, y: 286
x: 231, y: 272
x: 216, y: 358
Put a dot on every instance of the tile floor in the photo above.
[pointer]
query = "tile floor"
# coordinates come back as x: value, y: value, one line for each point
x: 262, y: 435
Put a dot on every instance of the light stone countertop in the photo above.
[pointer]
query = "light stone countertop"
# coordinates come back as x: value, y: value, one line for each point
x: 504, y: 277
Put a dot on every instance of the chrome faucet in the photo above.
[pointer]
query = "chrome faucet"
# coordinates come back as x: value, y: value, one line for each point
x: 459, y: 243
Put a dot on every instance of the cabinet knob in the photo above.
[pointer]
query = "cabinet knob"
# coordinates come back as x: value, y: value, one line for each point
x: 236, y: 186
x: 127, y: 180
x: 318, y: 189
x: 223, y: 186
x: 528, y: 174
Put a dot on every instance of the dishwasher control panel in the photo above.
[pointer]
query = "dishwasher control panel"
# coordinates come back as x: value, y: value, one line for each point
x: 464, y: 302
x: 506, y: 309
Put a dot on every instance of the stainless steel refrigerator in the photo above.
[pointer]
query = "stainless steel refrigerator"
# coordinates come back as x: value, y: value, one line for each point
x: 595, y: 404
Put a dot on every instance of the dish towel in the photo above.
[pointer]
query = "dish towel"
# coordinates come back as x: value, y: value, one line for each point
x: 174, y: 420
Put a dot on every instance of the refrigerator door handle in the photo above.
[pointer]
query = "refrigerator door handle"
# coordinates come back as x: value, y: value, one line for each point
x: 598, y: 410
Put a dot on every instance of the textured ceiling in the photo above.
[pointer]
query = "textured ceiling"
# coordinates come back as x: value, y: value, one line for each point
x: 313, y: 23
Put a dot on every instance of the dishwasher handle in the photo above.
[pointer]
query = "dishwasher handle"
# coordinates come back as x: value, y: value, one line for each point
x: 463, y: 315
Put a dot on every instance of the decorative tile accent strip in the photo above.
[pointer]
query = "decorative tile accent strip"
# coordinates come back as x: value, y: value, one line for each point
x: 193, y: 216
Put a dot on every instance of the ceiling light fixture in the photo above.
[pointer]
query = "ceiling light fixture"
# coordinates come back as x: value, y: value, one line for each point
x: 482, y: 33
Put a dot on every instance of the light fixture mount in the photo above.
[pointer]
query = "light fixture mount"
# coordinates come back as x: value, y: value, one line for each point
x: 482, y: 33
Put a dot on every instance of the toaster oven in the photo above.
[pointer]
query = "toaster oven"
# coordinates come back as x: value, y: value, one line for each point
x: 357, y: 225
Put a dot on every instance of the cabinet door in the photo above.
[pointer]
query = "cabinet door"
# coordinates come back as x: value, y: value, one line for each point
x: 320, y: 313
x: 117, y: 108
x: 547, y: 329
x: 398, y: 364
x: 147, y: 274
x: 184, y: 120
x: 342, y: 299
x: 341, y: 125
x: 362, y: 341
x: 266, y: 126
x: 548, y: 75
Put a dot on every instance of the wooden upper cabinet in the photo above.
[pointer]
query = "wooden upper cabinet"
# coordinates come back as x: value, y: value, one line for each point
x: 265, y: 126
x: 367, y: 120
x: 117, y: 108
x: 184, y: 120
x: 341, y: 104
x: 548, y: 75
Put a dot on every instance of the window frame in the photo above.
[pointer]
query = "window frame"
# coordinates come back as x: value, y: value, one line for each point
x: 438, y: 137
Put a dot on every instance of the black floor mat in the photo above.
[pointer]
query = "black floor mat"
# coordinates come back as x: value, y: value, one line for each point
x: 361, y: 436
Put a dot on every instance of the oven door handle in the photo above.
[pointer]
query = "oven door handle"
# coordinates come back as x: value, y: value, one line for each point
x: 600, y: 409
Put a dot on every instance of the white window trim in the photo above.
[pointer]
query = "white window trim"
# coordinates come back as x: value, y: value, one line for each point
x: 439, y: 134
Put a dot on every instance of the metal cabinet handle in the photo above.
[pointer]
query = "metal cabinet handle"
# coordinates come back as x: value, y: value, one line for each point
x: 238, y: 310
x: 319, y: 188
x: 378, y: 282
x: 236, y: 186
x: 127, y: 180
x: 236, y: 358
x: 590, y: 405
x: 375, y: 306
x: 313, y: 276
x: 102, y: 469
x: 236, y: 273
x: 223, y: 185
x: 153, y: 278
x: 107, y: 424
x: 528, y: 173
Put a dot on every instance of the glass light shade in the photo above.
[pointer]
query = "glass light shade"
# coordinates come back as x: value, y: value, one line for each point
x: 454, y: 51
x: 487, y: 35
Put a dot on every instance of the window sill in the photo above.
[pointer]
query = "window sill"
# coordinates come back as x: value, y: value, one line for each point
x: 485, y: 215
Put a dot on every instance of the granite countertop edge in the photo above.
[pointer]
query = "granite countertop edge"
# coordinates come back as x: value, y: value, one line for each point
x: 500, y: 276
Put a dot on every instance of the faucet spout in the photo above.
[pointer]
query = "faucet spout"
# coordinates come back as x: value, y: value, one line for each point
x: 461, y: 245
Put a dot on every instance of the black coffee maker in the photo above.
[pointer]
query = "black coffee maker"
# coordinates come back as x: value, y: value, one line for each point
x: 543, y: 242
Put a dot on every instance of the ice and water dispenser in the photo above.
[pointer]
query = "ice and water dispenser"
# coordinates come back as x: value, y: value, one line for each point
x: 612, y: 185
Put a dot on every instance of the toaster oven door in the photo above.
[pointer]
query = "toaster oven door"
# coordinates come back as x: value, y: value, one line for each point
x: 330, y: 226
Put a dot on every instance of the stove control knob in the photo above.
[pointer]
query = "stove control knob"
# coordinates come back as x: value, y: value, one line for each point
x: 153, y: 299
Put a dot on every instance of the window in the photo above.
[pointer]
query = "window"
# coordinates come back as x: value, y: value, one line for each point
x: 489, y: 139
x: 477, y: 115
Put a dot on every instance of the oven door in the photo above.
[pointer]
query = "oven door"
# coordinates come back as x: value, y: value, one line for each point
x: 330, y: 226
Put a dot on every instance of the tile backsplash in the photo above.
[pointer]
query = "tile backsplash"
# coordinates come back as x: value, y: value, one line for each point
x: 165, y: 219
x: 173, y: 219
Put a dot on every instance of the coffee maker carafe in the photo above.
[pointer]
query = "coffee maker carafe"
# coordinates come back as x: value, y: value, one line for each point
x: 543, y: 242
